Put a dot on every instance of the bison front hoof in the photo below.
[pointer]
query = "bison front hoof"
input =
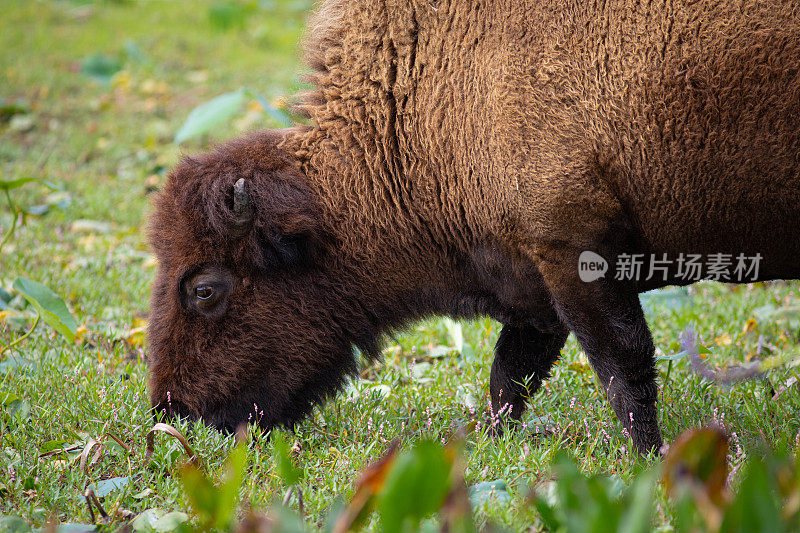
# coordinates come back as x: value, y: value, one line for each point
x: 652, y: 444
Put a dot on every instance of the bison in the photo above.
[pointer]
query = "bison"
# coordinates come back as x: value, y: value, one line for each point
x: 475, y: 159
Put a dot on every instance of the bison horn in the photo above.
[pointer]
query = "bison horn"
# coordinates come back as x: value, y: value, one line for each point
x: 242, y: 210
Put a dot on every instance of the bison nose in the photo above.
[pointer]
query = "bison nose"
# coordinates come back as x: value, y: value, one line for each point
x: 169, y: 410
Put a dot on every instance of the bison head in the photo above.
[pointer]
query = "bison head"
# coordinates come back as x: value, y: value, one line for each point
x: 241, y: 326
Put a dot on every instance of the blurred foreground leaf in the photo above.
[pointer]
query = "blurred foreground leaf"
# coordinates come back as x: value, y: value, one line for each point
x: 370, y: 484
x: 697, y: 461
x: 755, y: 507
x: 415, y: 487
x: 215, y: 504
x: 407, y: 487
x: 286, y: 468
x: 581, y: 503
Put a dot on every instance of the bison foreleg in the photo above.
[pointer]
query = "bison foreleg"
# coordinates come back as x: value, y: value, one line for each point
x: 523, y: 357
x: 608, y: 322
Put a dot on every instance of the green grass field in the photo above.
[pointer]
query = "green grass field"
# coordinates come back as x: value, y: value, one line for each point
x: 102, y: 146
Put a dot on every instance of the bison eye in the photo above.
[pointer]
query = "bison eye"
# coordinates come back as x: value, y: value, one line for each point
x: 204, y: 292
x: 205, y: 289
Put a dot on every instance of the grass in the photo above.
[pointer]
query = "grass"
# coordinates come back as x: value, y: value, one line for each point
x: 103, y: 147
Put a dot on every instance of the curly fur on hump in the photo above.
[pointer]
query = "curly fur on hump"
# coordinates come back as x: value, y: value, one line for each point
x: 463, y: 154
x: 505, y: 115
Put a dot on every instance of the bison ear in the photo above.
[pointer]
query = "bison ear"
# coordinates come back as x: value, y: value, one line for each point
x: 289, y: 230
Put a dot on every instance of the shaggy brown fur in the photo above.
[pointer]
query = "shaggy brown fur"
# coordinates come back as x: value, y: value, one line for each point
x: 463, y: 155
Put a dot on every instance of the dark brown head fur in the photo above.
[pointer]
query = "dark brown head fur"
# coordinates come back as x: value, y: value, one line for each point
x: 232, y: 356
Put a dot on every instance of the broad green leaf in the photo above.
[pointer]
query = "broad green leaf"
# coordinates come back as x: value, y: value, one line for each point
x: 683, y: 353
x: 100, y: 67
x: 49, y: 305
x: 455, y: 332
x: 439, y: 351
x: 582, y: 503
x: 75, y: 528
x: 670, y: 298
x: 421, y: 369
x: 547, y: 514
x: 545, y: 500
x: 7, y: 398
x: 143, y: 494
x: 13, y: 184
x: 37, y: 210
x: 14, y: 524
x: 16, y: 363
x: 20, y: 410
x: 207, y: 115
x: 5, y: 298
x: 466, y: 397
x: 541, y: 425
x: 105, y: 487
x: 489, y: 492
x: 672, y: 356
x: 170, y: 522
x: 59, y: 199
x: 282, y: 118
x: 51, y: 445
x: 143, y: 523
